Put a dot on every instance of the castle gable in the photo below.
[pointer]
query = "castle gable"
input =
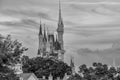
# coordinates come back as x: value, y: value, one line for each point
x: 28, y: 76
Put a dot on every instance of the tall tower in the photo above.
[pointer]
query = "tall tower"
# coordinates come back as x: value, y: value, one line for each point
x: 60, y: 29
x: 40, y: 36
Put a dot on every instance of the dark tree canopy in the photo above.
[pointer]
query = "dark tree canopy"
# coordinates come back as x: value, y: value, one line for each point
x: 46, y: 66
x: 75, y: 77
x: 10, y: 52
x: 99, y: 71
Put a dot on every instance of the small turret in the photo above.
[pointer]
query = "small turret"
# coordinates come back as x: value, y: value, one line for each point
x: 18, y: 68
x: 58, y: 78
x: 65, y: 77
x: 50, y: 77
x: 43, y: 77
x: 72, y: 66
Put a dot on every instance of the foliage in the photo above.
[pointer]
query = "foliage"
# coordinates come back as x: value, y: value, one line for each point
x: 10, y: 52
x: 45, y: 67
x: 75, y: 77
x: 99, y: 71
x: 7, y: 74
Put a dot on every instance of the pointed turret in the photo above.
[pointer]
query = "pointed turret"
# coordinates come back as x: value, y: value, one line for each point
x: 50, y: 77
x: 40, y: 29
x: 72, y: 63
x: 114, y: 62
x: 45, y: 36
x: 60, y: 29
x: 40, y: 36
x: 18, y: 66
x: 72, y: 66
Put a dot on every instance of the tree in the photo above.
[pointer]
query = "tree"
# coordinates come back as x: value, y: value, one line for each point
x: 75, y: 77
x: 99, y: 71
x: 46, y: 66
x: 7, y: 74
x: 10, y: 52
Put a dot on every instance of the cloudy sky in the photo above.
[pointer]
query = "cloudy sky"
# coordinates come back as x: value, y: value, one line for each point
x: 92, y: 27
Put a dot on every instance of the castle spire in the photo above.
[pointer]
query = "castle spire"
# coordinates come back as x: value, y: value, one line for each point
x: 60, y: 17
x: 40, y: 37
x: 60, y: 21
x: 40, y: 30
x: 71, y: 62
x: 60, y: 29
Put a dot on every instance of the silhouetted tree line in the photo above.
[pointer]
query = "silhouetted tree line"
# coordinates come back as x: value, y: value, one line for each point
x: 98, y: 71
x: 46, y: 66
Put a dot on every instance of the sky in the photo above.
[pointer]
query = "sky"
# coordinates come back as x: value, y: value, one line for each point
x: 92, y: 27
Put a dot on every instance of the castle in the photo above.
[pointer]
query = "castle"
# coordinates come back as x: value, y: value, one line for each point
x: 50, y: 45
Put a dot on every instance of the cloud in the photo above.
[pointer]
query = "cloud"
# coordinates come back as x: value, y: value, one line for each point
x: 104, y: 56
x: 109, y: 52
x: 26, y: 13
x: 95, y: 3
x: 93, y: 15
x: 102, y: 9
x: 22, y: 23
x: 89, y: 24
